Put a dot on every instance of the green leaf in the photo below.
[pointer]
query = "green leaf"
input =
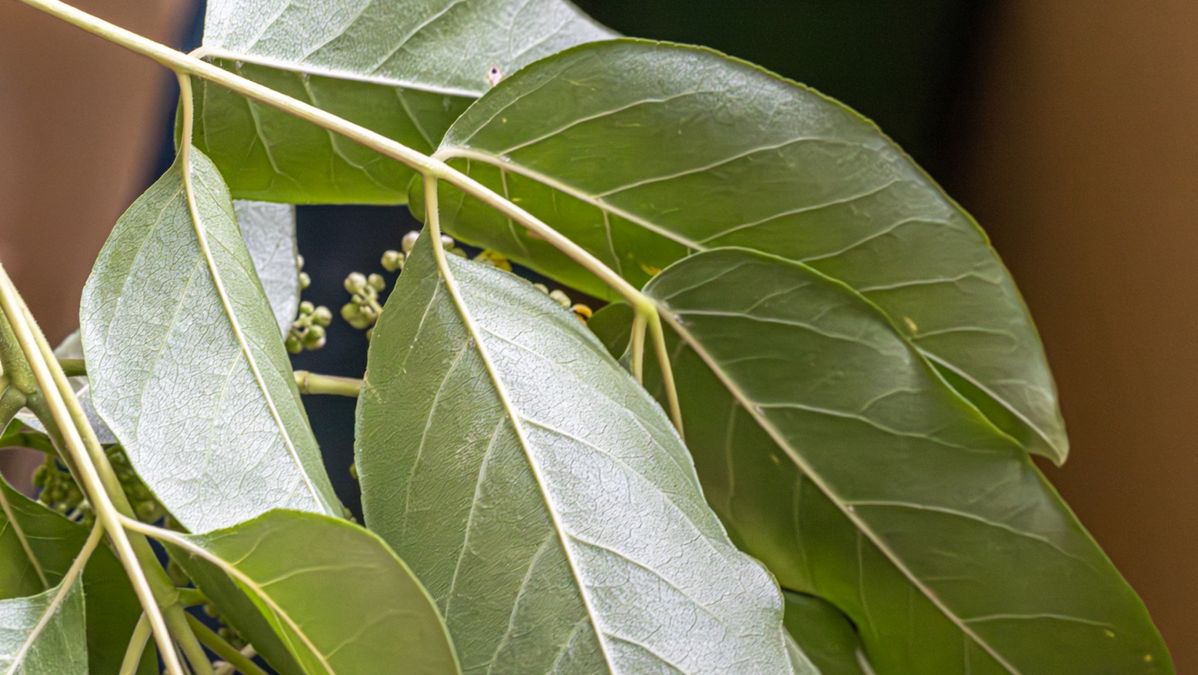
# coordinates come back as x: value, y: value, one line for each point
x: 187, y: 366
x: 826, y: 635
x: 838, y: 456
x: 539, y: 492
x: 645, y: 152
x: 404, y: 69
x: 269, y: 233
x: 51, y: 543
x: 44, y: 634
x: 334, y: 593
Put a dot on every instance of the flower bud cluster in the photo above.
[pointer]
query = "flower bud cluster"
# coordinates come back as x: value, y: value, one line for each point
x: 58, y: 490
x: 308, y: 329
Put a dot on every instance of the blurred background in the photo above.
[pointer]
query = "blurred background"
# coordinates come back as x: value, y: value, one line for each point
x: 1068, y: 128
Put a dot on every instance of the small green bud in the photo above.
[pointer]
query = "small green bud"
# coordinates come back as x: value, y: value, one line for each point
x: 355, y: 282
x: 314, y: 337
x: 542, y: 288
x: 392, y: 261
x: 146, y: 511
x: 377, y: 282
x: 409, y: 240
x: 321, y: 316
x: 306, y: 308
x: 299, y: 262
x: 304, y: 280
x: 293, y: 344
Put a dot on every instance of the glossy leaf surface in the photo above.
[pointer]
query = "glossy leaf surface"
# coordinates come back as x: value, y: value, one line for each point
x: 838, y: 456
x: 334, y: 594
x: 44, y: 634
x: 645, y: 152
x: 825, y: 635
x: 187, y: 366
x: 541, y: 495
x: 269, y: 233
x: 403, y: 69
x: 36, y: 548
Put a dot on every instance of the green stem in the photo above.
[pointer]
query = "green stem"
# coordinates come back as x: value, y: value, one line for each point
x: 11, y: 402
x: 12, y: 363
x: 315, y: 383
x: 61, y: 408
x: 190, y: 597
x: 137, y: 646
x: 428, y: 166
x: 223, y: 649
x: 73, y: 367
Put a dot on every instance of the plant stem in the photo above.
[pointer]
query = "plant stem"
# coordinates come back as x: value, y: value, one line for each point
x: 70, y: 422
x: 428, y: 166
x: 137, y: 646
x: 315, y: 383
x: 73, y: 367
x: 223, y: 649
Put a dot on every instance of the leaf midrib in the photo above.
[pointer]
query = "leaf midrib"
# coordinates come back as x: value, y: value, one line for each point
x: 235, y: 324
x: 475, y: 335
x: 745, y: 402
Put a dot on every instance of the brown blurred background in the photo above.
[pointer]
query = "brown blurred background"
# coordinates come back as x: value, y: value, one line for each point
x: 1068, y: 127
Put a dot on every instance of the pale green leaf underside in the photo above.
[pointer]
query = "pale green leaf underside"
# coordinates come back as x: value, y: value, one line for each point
x: 269, y: 233
x: 334, y: 593
x: 44, y: 634
x: 405, y: 69
x: 644, y: 153
x: 839, y: 457
x: 187, y: 366
x: 541, y: 495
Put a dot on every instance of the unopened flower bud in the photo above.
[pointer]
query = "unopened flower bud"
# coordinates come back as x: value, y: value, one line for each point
x: 409, y: 240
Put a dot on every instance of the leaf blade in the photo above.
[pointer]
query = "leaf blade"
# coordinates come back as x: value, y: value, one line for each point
x: 406, y: 70
x: 838, y: 456
x: 347, y: 605
x: 644, y: 153
x: 500, y: 492
x: 180, y: 343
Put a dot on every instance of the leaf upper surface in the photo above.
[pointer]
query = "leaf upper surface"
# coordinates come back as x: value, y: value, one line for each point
x: 541, y: 495
x: 334, y: 593
x: 405, y: 69
x: 187, y: 366
x: 841, y: 458
x: 644, y: 153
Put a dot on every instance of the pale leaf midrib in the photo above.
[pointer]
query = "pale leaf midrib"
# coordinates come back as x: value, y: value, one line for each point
x: 815, y: 477
x: 235, y: 324
x: 474, y: 334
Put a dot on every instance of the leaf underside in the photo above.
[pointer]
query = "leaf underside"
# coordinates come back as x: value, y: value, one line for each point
x: 644, y: 153
x: 186, y: 363
x: 541, y: 495
x: 838, y: 456
x: 405, y: 70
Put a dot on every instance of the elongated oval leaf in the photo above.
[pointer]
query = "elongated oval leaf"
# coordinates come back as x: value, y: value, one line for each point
x: 406, y: 69
x: 44, y: 634
x: 269, y: 233
x: 646, y: 152
x: 541, y: 495
x: 37, y: 546
x: 186, y: 363
x: 333, y: 593
x: 838, y: 456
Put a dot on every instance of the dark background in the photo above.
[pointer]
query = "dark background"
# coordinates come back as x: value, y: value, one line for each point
x: 1067, y: 127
